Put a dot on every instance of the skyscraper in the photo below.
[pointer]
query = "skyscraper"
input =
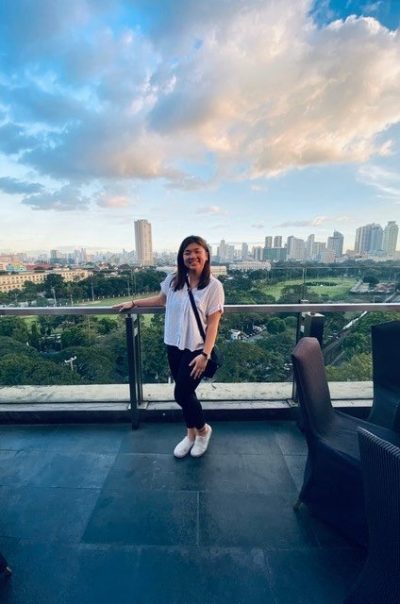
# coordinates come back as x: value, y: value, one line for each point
x: 295, y: 248
x: 143, y: 243
x: 268, y: 242
x: 278, y: 241
x: 390, y: 234
x: 369, y: 238
x: 335, y: 243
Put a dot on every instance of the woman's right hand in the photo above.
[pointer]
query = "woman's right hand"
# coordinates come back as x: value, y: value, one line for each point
x: 124, y: 306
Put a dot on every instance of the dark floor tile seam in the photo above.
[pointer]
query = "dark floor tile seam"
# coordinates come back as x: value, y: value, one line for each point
x: 170, y: 491
x: 198, y: 519
x: 45, y: 486
x: 310, y: 547
x: 270, y: 577
x: 295, y: 454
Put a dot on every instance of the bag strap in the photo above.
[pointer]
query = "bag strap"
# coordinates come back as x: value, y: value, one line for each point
x: 196, y: 312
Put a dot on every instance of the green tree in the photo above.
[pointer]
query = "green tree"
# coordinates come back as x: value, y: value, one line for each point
x: 356, y: 343
x: 371, y: 278
x: 105, y: 325
x: 91, y: 363
x: 24, y: 369
x: 358, y: 368
x: 154, y: 359
x: 249, y: 362
x: 75, y: 336
x: 14, y: 327
x: 56, y: 282
x: 34, y: 337
x: 9, y: 345
x: 276, y: 325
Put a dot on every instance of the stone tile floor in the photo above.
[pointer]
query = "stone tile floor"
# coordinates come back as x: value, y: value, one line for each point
x: 101, y: 514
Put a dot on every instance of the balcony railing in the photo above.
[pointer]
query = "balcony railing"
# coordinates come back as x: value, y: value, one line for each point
x: 132, y: 326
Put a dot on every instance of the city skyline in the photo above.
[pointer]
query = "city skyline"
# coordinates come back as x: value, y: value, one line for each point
x: 370, y: 239
x: 231, y: 120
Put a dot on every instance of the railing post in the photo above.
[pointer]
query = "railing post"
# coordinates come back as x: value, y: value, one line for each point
x: 138, y: 355
x: 131, y: 334
x: 298, y: 336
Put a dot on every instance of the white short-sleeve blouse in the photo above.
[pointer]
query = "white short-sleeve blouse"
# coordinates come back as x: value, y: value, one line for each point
x: 181, y: 328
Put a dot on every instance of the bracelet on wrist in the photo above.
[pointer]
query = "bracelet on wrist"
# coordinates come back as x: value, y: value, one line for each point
x: 205, y: 355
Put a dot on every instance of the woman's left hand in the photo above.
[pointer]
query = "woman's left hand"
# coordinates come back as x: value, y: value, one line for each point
x: 198, y: 364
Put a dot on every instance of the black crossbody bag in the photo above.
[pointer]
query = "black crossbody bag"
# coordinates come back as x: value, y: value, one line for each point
x: 215, y: 360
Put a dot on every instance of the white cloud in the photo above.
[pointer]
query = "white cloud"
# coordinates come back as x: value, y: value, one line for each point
x: 13, y: 186
x: 114, y: 201
x: 254, y: 85
x: 384, y: 181
x: 67, y: 198
x: 211, y: 210
x: 318, y: 221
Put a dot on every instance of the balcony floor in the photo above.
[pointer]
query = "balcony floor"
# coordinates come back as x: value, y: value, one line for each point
x: 101, y: 514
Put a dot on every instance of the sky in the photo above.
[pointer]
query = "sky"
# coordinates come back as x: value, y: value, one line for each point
x: 231, y: 119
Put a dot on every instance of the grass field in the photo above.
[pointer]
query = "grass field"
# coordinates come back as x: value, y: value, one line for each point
x: 339, y: 291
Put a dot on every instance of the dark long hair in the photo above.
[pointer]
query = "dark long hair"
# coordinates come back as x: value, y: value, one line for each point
x: 179, y: 279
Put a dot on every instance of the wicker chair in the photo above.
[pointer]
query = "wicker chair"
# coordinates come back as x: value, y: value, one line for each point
x: 332, y: 486
x: 379, y: 580
x: 386, y: 374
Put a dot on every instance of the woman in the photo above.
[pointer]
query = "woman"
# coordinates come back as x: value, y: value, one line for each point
x: 188, y: 353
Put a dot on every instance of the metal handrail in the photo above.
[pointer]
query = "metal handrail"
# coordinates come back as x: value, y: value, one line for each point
x: 132, y: 328
x: 229, y: 309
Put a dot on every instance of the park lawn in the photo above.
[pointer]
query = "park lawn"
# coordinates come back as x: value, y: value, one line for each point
x: 335, y: 292
x: 118, y: 300
x: 339, y: 291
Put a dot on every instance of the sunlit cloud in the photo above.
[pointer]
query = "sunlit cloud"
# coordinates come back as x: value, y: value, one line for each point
x: 116, y: 102
x: 116, y: 201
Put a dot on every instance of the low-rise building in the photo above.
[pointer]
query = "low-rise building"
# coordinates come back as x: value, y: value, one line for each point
x: 17, y: 281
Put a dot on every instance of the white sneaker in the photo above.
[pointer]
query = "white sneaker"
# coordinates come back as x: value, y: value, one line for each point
x: 183, y: 447
x: 201, y: 443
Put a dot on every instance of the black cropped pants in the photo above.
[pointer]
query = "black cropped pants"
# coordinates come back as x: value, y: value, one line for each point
x: 185, y: 386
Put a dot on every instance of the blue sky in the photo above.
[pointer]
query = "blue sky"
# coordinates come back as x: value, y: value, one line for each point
x: 231, y: 119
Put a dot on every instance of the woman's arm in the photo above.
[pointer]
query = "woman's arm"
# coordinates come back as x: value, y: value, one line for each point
x: 211, y: 331
x: 151, y: 301
x: 199, y: 363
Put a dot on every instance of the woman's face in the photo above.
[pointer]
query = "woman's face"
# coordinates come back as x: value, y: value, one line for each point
x: 195, y: 257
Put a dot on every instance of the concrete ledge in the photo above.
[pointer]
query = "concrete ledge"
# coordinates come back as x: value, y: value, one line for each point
x: 155, y: 393
x: 110, y: 402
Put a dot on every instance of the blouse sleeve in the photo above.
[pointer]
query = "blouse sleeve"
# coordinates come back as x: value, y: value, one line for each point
x: 166, y: 284
x: 216, y: 299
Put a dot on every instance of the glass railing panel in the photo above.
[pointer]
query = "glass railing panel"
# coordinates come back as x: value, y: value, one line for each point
x: 83, y: 346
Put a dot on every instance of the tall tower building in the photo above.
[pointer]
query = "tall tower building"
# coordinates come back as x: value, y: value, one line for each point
x: 245, y: 251
x: 309, y: 249
x: 278, y: 241
x: 143, y: 243
x: 295, y: 248
x: 335, y: 243
x: 369, y: 238
x: 390, y: 234
x: 268, y: 242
